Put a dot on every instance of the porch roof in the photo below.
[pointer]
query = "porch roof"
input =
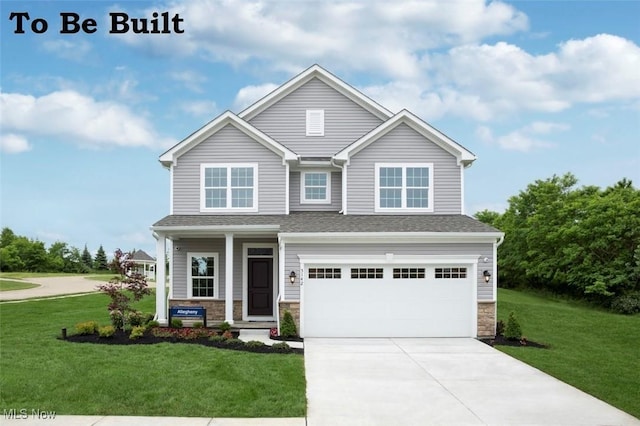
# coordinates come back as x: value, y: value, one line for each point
x: 326, y: 222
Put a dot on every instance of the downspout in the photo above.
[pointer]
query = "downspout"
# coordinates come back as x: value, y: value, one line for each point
x: 343, y: 170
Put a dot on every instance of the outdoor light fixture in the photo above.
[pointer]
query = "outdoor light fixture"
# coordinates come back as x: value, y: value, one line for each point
x: 292, y: 277
x: 487, y: 276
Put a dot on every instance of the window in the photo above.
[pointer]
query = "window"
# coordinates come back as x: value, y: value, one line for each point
x: 366, y: 273
x: 202, y: 275
x: 404, y: 187
x: 444, y: 273
x: 325, y: 273
x: 260, y: 251
x: 315, y: 188
x: 229, y: 187
x: 315, y: 122
x: 408, y: 273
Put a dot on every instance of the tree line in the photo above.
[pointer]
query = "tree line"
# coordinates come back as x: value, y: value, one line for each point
x: 579, y: 241
x: 21, y: 254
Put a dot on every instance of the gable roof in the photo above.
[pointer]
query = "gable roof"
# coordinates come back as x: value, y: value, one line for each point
x: 463, y: 155
x: 316, y: 71
x: 141, y: 255
x: 226, y: 118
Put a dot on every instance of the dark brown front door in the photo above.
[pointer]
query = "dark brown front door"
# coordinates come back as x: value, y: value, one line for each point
x: 260, y: 287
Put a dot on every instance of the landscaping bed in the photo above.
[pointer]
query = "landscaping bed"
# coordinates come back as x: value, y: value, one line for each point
x: 500, y: 340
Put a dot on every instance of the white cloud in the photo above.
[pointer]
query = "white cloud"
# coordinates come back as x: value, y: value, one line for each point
x: 250, y: 94
x: 12, y: 144
x: 524, y: 139
x: 190, y: 79
x: 78, y: 118
x: 200, y: 108
x: 75, y: 50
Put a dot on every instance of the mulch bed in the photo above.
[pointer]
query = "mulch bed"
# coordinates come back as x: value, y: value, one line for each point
x: 502, y: 341
x: 122, y: 338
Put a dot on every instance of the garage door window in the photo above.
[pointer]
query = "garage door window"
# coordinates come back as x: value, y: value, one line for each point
x: 408, y: 273
x: 366, y: 273
x: 324, y: 273
x: 444, y: 273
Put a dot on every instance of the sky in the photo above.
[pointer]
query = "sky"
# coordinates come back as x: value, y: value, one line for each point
x: 533, y: 88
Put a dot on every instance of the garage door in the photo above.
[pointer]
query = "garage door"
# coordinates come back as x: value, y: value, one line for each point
x: 388, y: 301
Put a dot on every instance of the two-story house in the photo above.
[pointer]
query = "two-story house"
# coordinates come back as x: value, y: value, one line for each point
x: 318, y: 200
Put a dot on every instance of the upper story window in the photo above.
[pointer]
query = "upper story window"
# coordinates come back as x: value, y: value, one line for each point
x: 315, y: 122
x: 315, y: 188
x: 404, y: 187
x: 229, y: 187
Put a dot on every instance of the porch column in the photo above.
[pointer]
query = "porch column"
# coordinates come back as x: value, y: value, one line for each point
x: 228, y: 278
x: 161, y: 296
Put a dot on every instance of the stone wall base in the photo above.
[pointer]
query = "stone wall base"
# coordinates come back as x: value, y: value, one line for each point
x: 215, y: 308
x: 486, y: 319
x: 294, y: 308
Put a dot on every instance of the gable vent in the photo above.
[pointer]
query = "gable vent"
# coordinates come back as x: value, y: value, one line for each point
x: 315, y: 122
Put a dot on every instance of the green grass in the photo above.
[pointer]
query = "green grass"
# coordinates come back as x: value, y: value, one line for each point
x: 27, y: 275
x: 593, y: 350
x: 15, y: 285
x: 37, y: 370
x: 100, y: 277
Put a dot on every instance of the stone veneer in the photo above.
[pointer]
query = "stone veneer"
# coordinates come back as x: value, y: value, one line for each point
x: 294, y: 308
x: 486, y: 319
x: 215, y: 308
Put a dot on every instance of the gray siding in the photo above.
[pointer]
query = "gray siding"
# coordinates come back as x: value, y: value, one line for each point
x: 336, y: 194
x: 229, y: 145
x: 403, y: 144
x: 345, y: 121
x: 485, y: 290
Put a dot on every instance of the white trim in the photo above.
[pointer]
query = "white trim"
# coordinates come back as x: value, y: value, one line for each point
x: 303, y: 194
x: 171, y: 263
x: 385, y: 259
x: 161, y: 297
x: 404, y: 208
x: 462, y: 207
x: 216, y: 274
x: 315, y: 122
x: 494, y: 272
x: 229, y: 188
x: 228, y: 278
x: 344, y: 189
x: 287, y: 188
x: 170, y: 189
x: 385, y: 237
x: 245, y: 280
x: 281, y: 274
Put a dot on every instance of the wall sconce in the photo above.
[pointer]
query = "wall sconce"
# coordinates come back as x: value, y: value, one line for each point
x: 487, y: 276
x: 292, y: 277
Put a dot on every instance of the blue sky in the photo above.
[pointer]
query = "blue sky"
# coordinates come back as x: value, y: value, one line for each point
x: 533, y: 88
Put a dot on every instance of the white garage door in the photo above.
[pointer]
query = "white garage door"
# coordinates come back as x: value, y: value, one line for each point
x: 389, y: 301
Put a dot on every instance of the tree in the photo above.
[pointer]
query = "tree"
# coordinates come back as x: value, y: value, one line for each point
x: 100, y: 261
x: 6, y: 237
x: 87, y: 260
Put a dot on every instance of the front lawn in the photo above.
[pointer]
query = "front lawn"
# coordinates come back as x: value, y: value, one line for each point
x: 37, y: 370
x: 6, y: 285
x: 593, y: 350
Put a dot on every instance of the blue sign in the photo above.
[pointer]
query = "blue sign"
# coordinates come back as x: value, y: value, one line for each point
x: 187, y: 311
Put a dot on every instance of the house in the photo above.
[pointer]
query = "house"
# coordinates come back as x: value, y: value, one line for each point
x: 145, y: 264
x: 320, y: 201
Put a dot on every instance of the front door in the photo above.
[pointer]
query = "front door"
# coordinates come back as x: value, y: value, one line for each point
x: 260, y: 287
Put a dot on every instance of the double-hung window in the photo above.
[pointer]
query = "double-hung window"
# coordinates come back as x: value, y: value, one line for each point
x: 202, y: 278
x: 315, y: 188
x: 404, y: 187
x: 229, y: 187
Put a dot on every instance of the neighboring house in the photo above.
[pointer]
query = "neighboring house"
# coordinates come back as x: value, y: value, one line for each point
x: 145, y: 264
x: 320, y: 201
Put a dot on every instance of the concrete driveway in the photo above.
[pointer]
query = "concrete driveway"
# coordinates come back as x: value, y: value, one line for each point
x: 438, y: 381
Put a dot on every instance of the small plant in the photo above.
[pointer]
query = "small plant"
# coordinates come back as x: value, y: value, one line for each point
x: 227, y: 335
x: 523, y: 341
x: 499, y: 328
x: 107, y: 331
x: 88, y: 327
x: 137, y: 332
x: 135, y: 318
x: 153, y: 324
x: 288, y: 325
x: 117, y: 319
x: 176, y: 323
x: 627, y: 304
x: 273, y: 332
x: 512, y: 331
x: 198, y: 324
x: 224, y: 326
x: 217, y: 338
x: 281, y: 347
x: 233, y: 342
x: 254, y: 344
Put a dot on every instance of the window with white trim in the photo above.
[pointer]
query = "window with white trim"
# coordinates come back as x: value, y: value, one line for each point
x: 408, y: 273
x: 315, y: 187
x: 315, y: 122
x: 449, y: 273
x: 403, y: 187
x: 367, y: 273
x: 202, y: 280
x: 325, y: 273
x: 229, y: 187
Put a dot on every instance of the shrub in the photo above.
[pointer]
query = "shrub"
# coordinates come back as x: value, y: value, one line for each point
x: 499, y: 328
x: 153, y: 324
x: 137, y: 332
x: 288, y: 325
x: 148, y: 317
x: 217, y: 338
x: 107, y: 331
x: 135, y: 318
x: 281, y: 347
x: 227, y: 335
x: 176, y: 323
x: 233, y: 342
x: 628, y: 304
x: 198, y: 324
x: 254, y: 344
x: 117, y: 318
x: 512, y: 331
x: 224, y: 326
x: 88, y: 327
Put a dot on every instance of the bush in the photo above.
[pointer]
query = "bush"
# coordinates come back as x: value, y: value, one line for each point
x: 153, y: 324
x: 281, y: 347
x: 176, y: 323
x: 512, y: 331
x: 233, y: 342
x: 288, y: 325
x: 224, y: 326
x: 198, y: 324
x: 137, y: 332
x: 88, y: 327
x: 135, y: 318
x: 217, y: 338
x: 628, y: 304
x: 254, y: 344
x: 107, y: 331
x: 499, y: 328
x: 227, y: 335
x: 117, y: 319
